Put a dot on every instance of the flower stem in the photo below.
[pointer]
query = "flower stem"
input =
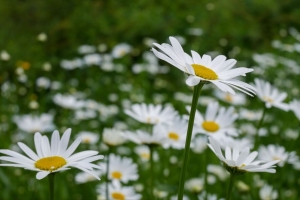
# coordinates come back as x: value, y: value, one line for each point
x: 107, y: 173
x: 151, y: 172
x: 232, y: 176
x: 51, y: 185
x: 197, y: 90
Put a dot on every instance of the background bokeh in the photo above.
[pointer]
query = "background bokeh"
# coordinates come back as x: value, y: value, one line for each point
x: 259, y: 34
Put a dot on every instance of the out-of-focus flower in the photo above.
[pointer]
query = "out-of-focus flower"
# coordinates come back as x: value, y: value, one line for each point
x: 92, y: 59
x: 250, y: 114
x: 85, y: 114
x: 71, y: 64
x: 267, y: 193
x: 218, y: 171
x: 117, y: 192
x: 143, y: 151
x: 240, y: 162
x: 83, y: 177
x: 174, y: 134
x: 204, y: 196
x: 67, y: 101
x: 121, y: 169
x: 88, y: 137
x: 33, y: 123
x: 113, y: 137
x: 270, y: 95
x: 142, y: 137
x: 4, y: 56
x: 86, y: 49
x: 217, y: 122
x: 273, y: 152
x: 199, y: 144
x: 42, y: 37
x: 152, y: 114
x: 194, y: 185
x: 237, y: 99
x: 43, y: 82
x: 234, y: 142
x: 54, y: 157
x: 295, y: 107
x: 217, y: 71
x: 121, y: 50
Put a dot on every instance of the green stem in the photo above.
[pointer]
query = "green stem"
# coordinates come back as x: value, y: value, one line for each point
x: 205, y: 171
x: 259, y: 126
x: 197, y: 90
x: 232, y: 176
x: 151, y: 172
x: 51, y: 185
x: 107, y: 173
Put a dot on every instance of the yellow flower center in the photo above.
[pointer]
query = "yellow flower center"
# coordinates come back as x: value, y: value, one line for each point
x: 276, y: 158
x: 210, y: 126
x: 204, y: 72
x: 116, y: 174
x: 268, y: 99
x: 118, y: 196
x: 173, y: 136
x: 228, y: 98
x: 152, y: 120
x: 145, y: 155
x: 86, y: 140
x: 51, y: 163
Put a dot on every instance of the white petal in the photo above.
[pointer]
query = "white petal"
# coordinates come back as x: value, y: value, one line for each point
x: 72, y: 148
x: 41, y: 175
x: 192, y: 80
x: 64, y: 141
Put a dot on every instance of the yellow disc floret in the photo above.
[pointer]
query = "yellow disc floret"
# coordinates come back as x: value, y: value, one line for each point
x: 210, y: 126
x: 116, y: 175
x: 173, y: 136
x: 51, y: 163
x: 118, y: 196
x: 204, y: 72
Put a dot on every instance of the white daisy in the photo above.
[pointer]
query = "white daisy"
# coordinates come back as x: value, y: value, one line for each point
x: 217, y: 71
x: 194, y: 185
x: 67, y: 101
x: 237, y: 99
x: 217, y: 122
x: 32, y: 123
x: 142, y: 137
x: 152, y: 114
x: 295, y: 107
x: 239, y: 162
x: 270, y: 95
x: 199, y: 144
x: 267, y: 193
x: 117, y: 192
x: 273, y: 152
x: 174, y: 134
x: 83, y: 177
x: 113, y: 137
x: 121, y: 50
x: 234, y: 142
x: 52, y: 157
x: 88, y: 137
x: 121, y: 169
x: 143, y: 151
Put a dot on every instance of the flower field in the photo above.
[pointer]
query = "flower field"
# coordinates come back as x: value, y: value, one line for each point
x: 127, y: 101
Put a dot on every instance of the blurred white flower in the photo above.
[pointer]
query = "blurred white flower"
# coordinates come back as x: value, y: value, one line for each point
x: 218, y: 171
x: 142, y: 137
x: 34, y: 123
x: 42, y: 37
x: 270, y: 95
x: 234, y: 142
x: 237, y: 99
x: 113, y: 137
x: 250, y: 115
x: 120, y: 50
x: 86, y: 49
x: 43, y: 82
x: 199, y: 144
x: 67, y: 101
x: 83, y: 177
x: 143, y: 151
x: 217, y: 122
x: 152, y: 114
x: 273, y: 152
x: 71, y: 64
x: 92, y: 59
x: 240, y: 162
x: 88, y: 137
x: 4, y: 56
x: 85, y: 114
x: 267, y: 193
x: 194, y: 185
x: 295, y: 107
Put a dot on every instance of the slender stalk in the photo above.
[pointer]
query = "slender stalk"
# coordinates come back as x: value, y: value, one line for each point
x: 205, y: 171
x: 197, y: 90
x: 51, y: 185
x: 259, y: 125
x: 107, y: 172
x: 151, y: 172
x: 232, y: 176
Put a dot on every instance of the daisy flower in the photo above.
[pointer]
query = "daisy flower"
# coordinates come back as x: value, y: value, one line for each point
x: 194, y: 185
x: 237, y: 99
x: 117, y: 192
x: 270, y: 95
x: 267, y: 193
x: 142, y: 137
x: 174, y: 134
x: 239, y: 162
x: 273, y: 152
x: 121, y: 50
x: 217, y: 122
x: 113, y: 137
x: 32, y: 123
x: 152, y: 114
x: 295, y: 107
x: 143, y: 151
x: 199, y: 144
x: 121, y: 169
x: 83, y: 177
x: 217, y: 71
x: 88, y: 137
x: 67, y: 101
x: 51, y: 158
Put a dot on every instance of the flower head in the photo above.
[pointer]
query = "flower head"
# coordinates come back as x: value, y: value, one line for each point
x: 152, y: 114
x: 217, y: 71
x: 270, y: 95
x: 295, y: 107
x: 239, y: 162
x: 273, y: 152
x: 52, y: 157
x: 217, y: 122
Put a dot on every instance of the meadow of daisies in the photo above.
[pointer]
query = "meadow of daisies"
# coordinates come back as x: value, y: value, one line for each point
x: 185, y: 114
